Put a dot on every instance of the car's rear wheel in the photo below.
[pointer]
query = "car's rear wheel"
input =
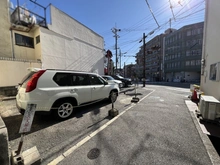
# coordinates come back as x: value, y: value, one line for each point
x: 63, y: 109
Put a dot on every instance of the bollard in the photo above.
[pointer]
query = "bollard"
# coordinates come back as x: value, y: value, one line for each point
x: 135, y: 99
x: 113, y: 112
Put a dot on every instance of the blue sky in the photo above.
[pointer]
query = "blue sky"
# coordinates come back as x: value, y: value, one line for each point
x: 132, y: 17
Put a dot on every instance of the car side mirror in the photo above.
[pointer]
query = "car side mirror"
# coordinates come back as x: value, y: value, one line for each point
x: 105, y: 83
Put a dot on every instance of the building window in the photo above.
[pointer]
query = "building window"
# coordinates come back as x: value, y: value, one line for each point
x: 22, y: 40
x: 188, y: 33
x: 188, y: 52
x: 187, y: 63
x: 200, y: 31
x: 215, y: 72
x: 192, y: 62
x: 194, y: 31
x: 38, y: 39
x: 188, y: 43
x: 198, y: 62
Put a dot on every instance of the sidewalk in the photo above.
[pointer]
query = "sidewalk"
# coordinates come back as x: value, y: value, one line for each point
x: 158, y: 130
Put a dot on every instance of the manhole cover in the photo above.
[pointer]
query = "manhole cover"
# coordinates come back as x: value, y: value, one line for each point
x: 93, y: 153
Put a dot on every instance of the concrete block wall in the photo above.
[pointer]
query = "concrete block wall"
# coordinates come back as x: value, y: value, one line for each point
x: 4, y: 146
x: 8, y: 91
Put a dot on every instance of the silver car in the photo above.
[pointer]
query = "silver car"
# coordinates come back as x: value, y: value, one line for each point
x: 112, y: 80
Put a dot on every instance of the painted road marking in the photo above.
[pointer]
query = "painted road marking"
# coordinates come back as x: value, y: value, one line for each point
x: 180, y: 89
x: 87, y: 138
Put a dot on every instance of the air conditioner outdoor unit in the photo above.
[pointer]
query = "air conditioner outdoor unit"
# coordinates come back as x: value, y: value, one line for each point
x: 209, y: 107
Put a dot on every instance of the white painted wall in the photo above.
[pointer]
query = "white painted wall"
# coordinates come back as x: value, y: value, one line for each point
x: 14, y: 71
x: 70, y: 45
x: 211, y: 48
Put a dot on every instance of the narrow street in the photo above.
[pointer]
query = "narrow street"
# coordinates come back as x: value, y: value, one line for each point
x: 157, y: 130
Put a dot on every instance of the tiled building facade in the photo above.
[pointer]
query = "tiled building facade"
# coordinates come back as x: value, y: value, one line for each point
x: 182, y: 53
x: 178, y: 59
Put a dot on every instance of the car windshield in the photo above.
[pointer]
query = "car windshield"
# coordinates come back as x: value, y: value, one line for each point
x: 119, y: 76
x: 108, y: 77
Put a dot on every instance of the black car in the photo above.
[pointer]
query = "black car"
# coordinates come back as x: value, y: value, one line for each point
x: 126, y: 81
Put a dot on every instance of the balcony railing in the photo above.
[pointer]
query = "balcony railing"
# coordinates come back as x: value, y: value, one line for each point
x: 27, y: 18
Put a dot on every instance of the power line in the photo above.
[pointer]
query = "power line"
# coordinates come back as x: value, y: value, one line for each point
x: 152, y: 13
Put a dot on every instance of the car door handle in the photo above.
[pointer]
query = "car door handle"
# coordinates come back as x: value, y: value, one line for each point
x: 94, y: 88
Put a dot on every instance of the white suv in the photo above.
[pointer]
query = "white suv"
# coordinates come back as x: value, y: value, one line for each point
x: 59, y: 91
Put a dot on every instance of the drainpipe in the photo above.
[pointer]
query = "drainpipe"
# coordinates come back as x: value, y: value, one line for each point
x: 12, y: 45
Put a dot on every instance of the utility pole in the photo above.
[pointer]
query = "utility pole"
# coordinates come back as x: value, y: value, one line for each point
x: 144, y: 55
x: 114, y: 30
x: 124, y: 69
x: 120, y: 59
x: 144, y: 63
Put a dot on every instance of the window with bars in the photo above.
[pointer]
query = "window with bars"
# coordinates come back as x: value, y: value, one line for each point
x: 25, y: 41
x: 215, y: 72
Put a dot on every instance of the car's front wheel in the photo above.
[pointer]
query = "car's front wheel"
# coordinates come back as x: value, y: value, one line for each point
x: 63, y: 109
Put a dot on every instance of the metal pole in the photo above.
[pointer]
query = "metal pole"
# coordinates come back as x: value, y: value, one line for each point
x: 144, y: 63
x: 116, y: 52
x: 20, y: 144
x: 124, y: 69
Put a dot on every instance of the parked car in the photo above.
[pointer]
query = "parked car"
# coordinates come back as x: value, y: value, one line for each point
x: 112, y: 80
x: 59, y: 91
x: 126, y: 81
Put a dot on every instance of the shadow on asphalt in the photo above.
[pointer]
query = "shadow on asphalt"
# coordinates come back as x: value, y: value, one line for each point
x: 80, y: 111
x: 171, y: 84
x: 13, y: 123
x: 133, y: 94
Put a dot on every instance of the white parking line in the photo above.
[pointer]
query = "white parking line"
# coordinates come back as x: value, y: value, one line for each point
x: 87, y: 138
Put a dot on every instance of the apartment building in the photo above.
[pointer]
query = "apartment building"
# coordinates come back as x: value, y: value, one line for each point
x: 182, y: 54
x: 177, y: 57
x: 153, y: 59
x: 130, y: 71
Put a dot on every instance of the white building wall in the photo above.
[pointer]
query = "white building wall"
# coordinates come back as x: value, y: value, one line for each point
x: 211, y: 48
x: 70, y: 45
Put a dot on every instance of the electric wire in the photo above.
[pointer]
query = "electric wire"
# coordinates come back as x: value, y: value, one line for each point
x: 163, y: 25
